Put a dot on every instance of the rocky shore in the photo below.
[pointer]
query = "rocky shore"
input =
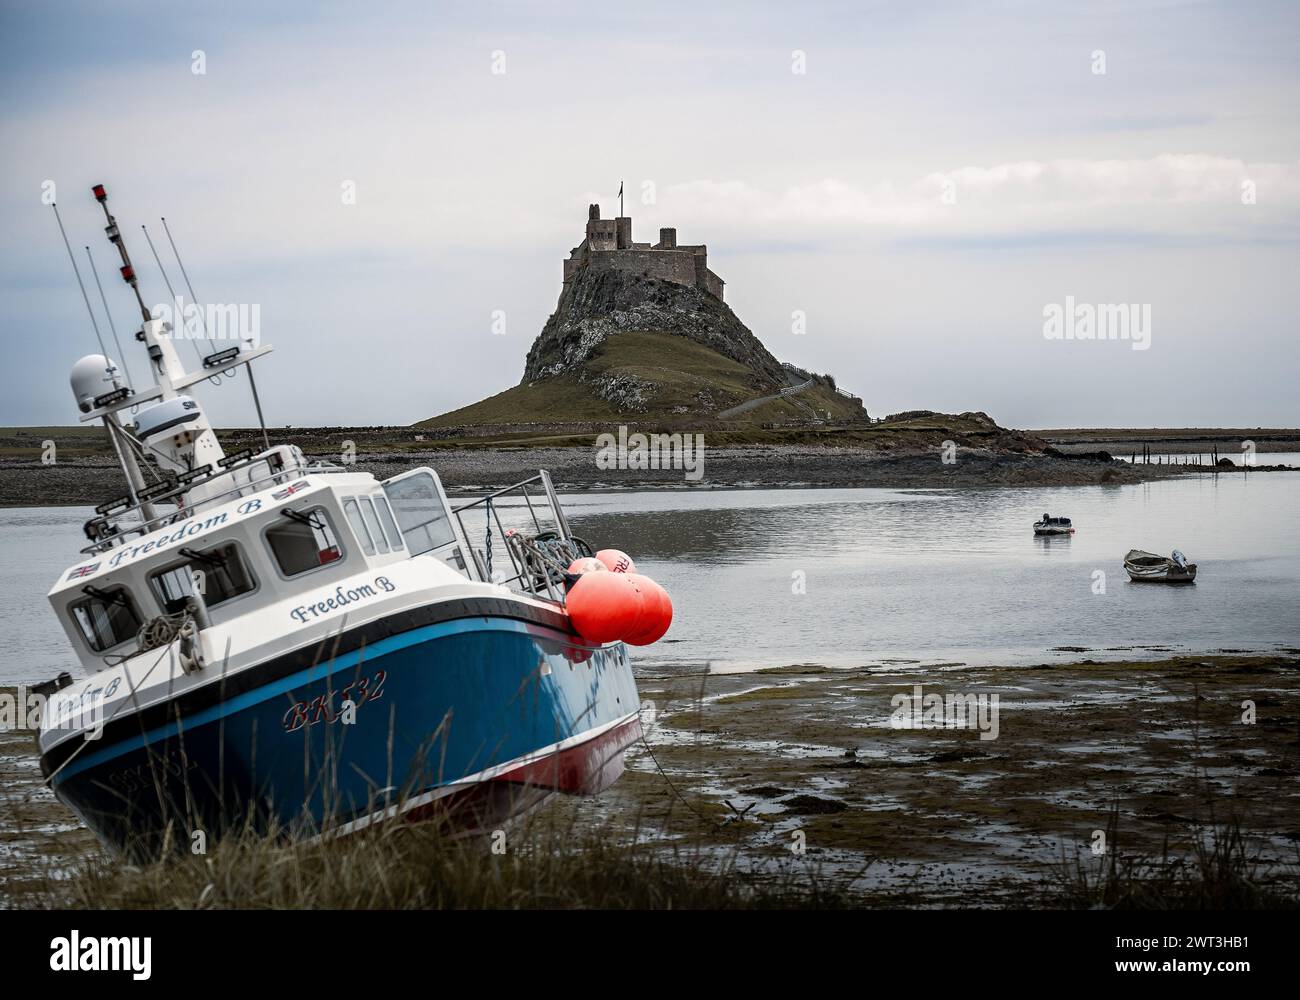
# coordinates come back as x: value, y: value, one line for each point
x: 90, y: 480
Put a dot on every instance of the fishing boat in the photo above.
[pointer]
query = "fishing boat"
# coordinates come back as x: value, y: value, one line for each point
x: 1049, y: 525
x: 1147, y: 567
x: 298, y: 646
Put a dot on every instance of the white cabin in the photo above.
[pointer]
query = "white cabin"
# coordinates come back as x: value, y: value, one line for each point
x: 293, y: 532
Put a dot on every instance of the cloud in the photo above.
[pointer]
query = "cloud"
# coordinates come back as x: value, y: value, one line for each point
x: 1167, y: 194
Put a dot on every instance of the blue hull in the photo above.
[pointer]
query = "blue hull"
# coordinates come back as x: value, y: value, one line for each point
x: 401, y: 721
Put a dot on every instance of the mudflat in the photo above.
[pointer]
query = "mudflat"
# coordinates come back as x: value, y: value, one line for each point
x: 1075, y: 766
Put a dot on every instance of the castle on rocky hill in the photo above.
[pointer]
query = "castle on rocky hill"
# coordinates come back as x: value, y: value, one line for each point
x: 609, y: 247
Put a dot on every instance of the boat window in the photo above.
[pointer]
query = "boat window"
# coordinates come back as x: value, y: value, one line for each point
x: 372, y: 522
x: 218, y: 574
x: 303, y: 541
x: 390, y: 526
x: 359, y: 528
x: 107, y: 618
x: 420, y: 512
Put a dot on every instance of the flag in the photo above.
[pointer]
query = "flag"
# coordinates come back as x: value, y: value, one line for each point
x: 83, y: 570
x: 620, y: 189
x: 289, y: 491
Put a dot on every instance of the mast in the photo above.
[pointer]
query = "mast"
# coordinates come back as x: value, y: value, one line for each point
x: 168, y: 423
x: 115, y: 237
x: 195, y: 445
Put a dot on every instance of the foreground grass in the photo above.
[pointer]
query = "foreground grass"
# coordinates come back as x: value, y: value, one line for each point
x: 1219, y: 873
x: 558, y: 865
x: 539, y: 865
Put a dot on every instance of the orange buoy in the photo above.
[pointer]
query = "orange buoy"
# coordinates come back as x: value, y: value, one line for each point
x: 616, y: 560
x: 657, y: 615
x: 604, y: 607
x: 645, y: 602
x: 589, y: 564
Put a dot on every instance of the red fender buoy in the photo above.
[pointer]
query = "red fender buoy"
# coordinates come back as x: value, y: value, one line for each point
x: 657, y: 616
x: 589, y: 564
x: 616, y: 560
x: 604, y: 606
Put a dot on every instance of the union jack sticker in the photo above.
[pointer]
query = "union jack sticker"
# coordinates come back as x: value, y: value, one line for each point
x: 289, y: 491
x: 83, y: 571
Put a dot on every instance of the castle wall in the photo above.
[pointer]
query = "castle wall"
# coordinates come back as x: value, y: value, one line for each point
x: 609, y: 246
x: 667, y: 265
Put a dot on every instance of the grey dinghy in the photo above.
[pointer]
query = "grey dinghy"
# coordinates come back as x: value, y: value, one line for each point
x: 1147, y: 567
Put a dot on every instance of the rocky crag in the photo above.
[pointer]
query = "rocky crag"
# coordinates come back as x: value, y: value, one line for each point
x: 597, y: 305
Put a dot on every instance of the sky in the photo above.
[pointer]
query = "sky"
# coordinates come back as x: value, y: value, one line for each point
x: 898, y: 194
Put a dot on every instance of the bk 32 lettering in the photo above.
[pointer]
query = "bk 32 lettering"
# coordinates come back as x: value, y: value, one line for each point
x: 321, y: 708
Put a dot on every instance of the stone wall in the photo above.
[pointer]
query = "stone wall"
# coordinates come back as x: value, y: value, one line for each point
x: 609, y: 247
x: 667, y: 265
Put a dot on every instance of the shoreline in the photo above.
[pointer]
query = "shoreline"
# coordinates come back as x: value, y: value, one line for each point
x: 89, y: 480
x: 1152, y: 752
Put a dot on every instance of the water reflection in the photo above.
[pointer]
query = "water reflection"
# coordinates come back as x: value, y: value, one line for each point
x: 958, y: 575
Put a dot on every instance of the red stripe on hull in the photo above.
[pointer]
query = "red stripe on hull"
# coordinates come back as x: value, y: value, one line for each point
x: 585, y: 769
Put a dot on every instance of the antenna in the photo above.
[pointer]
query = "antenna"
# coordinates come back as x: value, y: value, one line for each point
x: 86, y: 298
x: 171, y: 292
x: 115, y: 237
x: 252, y: 383
x: 107, y: 312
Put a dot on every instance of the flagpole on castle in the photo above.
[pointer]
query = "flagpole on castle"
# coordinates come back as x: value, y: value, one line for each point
x: 620, y: 198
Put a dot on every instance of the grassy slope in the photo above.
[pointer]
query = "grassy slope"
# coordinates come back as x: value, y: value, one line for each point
x: 680, y: 368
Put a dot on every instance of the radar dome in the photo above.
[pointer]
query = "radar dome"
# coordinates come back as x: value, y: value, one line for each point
x: 92, y: 376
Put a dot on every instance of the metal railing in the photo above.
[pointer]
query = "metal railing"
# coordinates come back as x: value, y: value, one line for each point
x: 275, y: 476
x: 538, y: 561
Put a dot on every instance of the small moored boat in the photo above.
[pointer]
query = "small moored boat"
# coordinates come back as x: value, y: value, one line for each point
x: 1147, y: 567
x: 1049, y: 525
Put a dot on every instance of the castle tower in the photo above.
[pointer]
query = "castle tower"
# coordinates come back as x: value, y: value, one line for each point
x: 602, y: 234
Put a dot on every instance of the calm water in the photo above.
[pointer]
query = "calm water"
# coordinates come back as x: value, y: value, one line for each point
x: 934, y: 575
